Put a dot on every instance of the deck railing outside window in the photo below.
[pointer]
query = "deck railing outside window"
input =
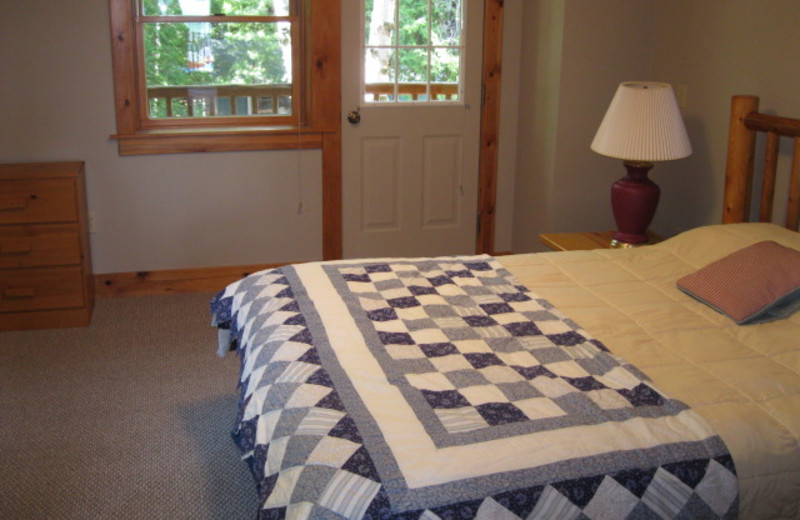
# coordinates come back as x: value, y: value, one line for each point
x: 223, y: 100
x: 412, y: 91
x: 265, y: 100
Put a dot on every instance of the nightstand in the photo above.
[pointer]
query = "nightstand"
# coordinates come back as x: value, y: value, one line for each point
x: 586, y: 240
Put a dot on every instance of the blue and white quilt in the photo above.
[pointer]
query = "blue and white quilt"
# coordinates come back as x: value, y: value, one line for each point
x: 441, y: 388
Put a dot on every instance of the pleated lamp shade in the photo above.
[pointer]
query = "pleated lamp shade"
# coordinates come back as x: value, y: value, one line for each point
x: 643, y: 123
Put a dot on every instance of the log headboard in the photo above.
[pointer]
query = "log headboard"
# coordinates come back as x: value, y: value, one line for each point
x: 745, y: 123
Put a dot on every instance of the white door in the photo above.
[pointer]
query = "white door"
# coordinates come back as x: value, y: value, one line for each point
x: 410, y: 167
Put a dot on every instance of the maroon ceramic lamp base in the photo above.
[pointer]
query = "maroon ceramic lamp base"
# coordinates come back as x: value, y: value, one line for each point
x: 634, y: 199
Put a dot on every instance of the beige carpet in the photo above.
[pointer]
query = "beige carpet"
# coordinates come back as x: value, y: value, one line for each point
x: 126, y: 419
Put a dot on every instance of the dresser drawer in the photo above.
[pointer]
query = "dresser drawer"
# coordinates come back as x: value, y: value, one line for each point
x: 40, y: 245
x: 41, y: 289
x: 25, y: 201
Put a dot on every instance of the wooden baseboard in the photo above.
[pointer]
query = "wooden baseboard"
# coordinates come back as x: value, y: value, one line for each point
x: 176, y: 281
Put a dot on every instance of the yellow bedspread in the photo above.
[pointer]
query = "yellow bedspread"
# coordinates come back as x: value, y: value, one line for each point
x: 744, y: 380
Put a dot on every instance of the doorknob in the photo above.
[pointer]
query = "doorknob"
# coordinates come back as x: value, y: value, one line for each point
x: 354, y: 117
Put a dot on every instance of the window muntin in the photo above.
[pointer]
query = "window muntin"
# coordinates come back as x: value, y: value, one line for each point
x: 218, y: 62
x: 412, y: 51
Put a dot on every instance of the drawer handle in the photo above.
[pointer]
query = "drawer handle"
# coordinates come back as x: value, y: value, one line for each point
x: 19, y: 293
x: 13, y: 204
x: 20, y: 247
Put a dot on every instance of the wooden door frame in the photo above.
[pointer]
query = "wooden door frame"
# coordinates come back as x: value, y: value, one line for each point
x: 326, y: 62
x: 490, y: 124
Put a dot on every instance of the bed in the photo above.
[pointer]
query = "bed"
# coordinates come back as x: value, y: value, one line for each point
x: 588, y: 384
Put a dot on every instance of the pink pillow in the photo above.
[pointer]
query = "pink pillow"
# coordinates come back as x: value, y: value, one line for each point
x: 758, y: 283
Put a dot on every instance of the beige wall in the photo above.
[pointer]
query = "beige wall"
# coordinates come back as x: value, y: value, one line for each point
x: 719, y: 49
x: 563, y: 61
x: 151, y: 212
x: 575, y: 52
x: 509, y: 120
x: 164, y: 212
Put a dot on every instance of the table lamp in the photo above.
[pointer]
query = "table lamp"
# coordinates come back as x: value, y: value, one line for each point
x: 643, y: 125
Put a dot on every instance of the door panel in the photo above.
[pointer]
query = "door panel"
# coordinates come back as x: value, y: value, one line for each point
x: 380, y: 180
x: 441, y: 181
x: 410, y: 172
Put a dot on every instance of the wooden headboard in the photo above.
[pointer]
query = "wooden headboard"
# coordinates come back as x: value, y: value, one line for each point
x: 745, y: 124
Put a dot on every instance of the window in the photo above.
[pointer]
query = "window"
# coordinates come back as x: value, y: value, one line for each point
x: 412, y: 51
x: 205, y: 60
x: 219, y: 75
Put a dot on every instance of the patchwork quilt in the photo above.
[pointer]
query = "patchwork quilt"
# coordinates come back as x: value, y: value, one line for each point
x: 442, y: 388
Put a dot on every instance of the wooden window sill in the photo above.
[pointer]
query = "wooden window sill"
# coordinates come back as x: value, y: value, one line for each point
x: 229, y: 139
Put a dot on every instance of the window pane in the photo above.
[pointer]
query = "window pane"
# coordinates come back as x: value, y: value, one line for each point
x: 180, y: 107
x: 212, y: 7
x: 379, y: 74
x: 413, y: 66
x: 158, y: 107
x: 224, y: 106
x: 412, y: 75
x: 446, y: 26
x: 226, y: 56
x: 379, y: 23
x: 445, y: 63
x: 414, y: 29
x: 380, y: 65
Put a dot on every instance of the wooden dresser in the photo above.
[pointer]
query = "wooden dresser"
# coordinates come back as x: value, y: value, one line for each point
x: 45, y: 262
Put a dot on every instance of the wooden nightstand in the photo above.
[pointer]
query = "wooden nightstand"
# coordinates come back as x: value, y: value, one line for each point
x: 585, y: 240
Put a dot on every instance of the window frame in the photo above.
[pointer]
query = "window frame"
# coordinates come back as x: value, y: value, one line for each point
x: 317, y: 115
x: 297, y: 79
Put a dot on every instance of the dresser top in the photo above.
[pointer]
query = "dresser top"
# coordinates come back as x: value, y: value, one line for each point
x: 40, y: 169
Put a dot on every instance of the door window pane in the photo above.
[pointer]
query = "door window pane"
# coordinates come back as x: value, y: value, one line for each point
x: 414, y: 26
x: 381, y: 82
x: 446, y: 26
x: 380, y: 27
x: 413, y: 66
x: 444, y: 65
